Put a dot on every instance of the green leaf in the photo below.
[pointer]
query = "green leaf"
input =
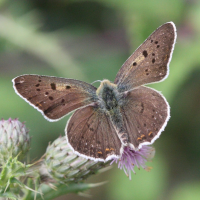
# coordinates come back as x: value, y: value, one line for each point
x: 9, y: 195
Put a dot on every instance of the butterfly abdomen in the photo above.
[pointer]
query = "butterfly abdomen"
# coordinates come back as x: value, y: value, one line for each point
x: 110, y: 104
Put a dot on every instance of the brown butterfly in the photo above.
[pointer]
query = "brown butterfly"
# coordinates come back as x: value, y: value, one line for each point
x: 114, y: 115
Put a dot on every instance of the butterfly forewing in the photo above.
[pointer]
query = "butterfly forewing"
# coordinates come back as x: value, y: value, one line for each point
x: 145, y: 114
x: 54, y: 97
x: 150, y: 62
x: 90, y: 132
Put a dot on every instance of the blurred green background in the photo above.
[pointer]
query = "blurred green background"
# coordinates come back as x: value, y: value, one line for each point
x: 90, y: 40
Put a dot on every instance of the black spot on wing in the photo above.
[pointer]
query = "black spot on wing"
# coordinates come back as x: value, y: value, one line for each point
x: 145, y: 54
x: 134, y: 64
x: 51, y: 98
x: 68, y: 87
x: 53, y: 86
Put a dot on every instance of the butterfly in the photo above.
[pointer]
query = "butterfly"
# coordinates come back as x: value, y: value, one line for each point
x: 114, y: 115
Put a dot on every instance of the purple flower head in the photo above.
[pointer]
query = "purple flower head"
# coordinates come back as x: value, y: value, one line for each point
x: 131, y: 158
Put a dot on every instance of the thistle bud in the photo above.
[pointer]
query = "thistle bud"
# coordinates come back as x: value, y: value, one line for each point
x: 64, y: 166
x: 14, y: 139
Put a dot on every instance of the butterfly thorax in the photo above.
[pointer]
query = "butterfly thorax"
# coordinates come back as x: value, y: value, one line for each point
x: 108, y: 95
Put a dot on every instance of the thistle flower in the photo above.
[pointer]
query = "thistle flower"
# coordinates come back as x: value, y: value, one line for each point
x: 14, y: 139
x: 131, y: 158
x: 64, y: 166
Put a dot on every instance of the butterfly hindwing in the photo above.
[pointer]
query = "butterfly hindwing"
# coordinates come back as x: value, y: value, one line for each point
x: 90, y: 132
x: 150, y: 62
x: 145, y: 114
x: 54, y: 97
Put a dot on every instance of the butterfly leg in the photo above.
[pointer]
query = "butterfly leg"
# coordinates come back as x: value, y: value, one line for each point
x: 123, y: 136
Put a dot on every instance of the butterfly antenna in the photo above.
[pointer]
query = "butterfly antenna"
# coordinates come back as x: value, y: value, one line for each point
x: 95, y: 81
